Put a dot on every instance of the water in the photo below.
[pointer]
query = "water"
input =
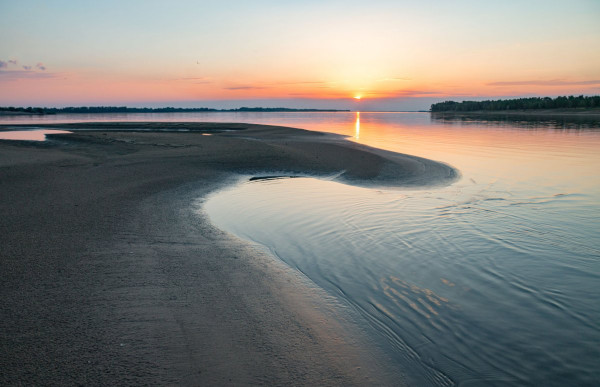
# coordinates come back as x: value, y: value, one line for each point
x: 28, y: 135
x: 493, y: 280
x: 282, y: 118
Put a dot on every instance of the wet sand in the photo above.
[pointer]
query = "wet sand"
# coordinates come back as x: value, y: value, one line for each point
x: 109, y: 277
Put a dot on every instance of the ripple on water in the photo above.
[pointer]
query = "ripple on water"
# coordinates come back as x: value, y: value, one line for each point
x: 457, y: 284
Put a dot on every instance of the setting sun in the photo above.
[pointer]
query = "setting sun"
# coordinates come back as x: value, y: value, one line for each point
x: 358, y: 97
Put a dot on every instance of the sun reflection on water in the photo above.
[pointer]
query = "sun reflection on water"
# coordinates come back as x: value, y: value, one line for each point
x: 480, y: 280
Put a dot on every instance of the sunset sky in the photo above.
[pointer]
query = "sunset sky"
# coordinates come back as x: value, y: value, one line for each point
x: 394, y: 55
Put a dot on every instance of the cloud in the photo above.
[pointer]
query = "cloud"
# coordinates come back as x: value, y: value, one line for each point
x: 15, y: 62
x: 245, y: 88
x: 312, y: 95
x: 406, y: 93
x: 23, y: 72
x: 19, y: 74
x: 5, y: 64
x: 196, y: 80
x: 302, y: 83
x: 193, y: 79
x: 551, y: 82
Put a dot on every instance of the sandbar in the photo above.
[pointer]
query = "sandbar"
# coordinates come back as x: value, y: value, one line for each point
x: 109, y: 277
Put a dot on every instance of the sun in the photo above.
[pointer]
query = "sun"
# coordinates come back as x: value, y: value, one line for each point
x: 357, y: 97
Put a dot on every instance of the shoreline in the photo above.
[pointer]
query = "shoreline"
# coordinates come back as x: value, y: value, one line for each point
x: 111, y: 278
x: 525, y: 112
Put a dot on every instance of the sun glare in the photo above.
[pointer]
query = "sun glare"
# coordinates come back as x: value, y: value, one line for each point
x: 358, y: 97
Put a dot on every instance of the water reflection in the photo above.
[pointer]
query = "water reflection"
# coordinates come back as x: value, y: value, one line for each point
x: 531, y: 121
x: 479, y: 282
x: 357, y: 126
x: 28, y: 135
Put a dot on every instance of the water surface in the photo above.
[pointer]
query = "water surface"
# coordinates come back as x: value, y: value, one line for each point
x: 28, y: 135
x: 493, y: 280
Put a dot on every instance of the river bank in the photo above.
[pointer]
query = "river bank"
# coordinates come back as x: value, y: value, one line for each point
x: 526, y: 112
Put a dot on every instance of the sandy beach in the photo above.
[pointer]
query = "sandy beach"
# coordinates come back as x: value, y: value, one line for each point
x: 109, y: 277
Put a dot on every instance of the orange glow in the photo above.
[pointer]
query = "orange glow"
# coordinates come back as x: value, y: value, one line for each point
x: 77, y: 88
x: 401, y: 50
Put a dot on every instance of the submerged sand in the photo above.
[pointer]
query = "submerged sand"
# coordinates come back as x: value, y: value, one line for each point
x: 109, y: 277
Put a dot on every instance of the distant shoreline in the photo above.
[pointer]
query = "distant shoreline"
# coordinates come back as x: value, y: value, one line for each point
x: 14, y: 111
x: 593, y: 112
x: 9, y: 113
x: 523, y: 112
x: 539, y: 105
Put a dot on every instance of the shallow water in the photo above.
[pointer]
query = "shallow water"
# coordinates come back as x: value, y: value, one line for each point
x: 493, y: 280
x: 28, y: 135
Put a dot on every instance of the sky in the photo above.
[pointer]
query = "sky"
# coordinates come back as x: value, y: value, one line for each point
x: 393, y: 55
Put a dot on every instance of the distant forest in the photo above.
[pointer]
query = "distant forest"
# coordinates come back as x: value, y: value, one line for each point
x: 124, y: 109
x: 519, y: 104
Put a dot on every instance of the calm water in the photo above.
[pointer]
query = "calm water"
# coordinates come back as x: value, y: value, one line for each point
x: 493, y: 280
x: 28, y: 135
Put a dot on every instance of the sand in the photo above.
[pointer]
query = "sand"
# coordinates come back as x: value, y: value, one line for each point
x: 109, y: 277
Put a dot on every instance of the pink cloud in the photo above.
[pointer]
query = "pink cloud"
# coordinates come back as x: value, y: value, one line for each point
x: 551, y: 82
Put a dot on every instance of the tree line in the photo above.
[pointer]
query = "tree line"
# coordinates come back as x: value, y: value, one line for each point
x: 519, y: 104
x: 124, y: 109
